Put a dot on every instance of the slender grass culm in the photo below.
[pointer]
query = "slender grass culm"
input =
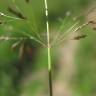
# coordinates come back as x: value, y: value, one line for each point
x: 48, y: 50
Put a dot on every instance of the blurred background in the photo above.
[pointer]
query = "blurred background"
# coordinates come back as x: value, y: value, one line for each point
x: 23, y: 62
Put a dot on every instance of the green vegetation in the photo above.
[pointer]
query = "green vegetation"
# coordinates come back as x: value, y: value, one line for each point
x: 23, y: 46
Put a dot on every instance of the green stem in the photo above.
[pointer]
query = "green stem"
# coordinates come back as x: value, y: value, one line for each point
x: 48, y: 50
x: 49, y: 69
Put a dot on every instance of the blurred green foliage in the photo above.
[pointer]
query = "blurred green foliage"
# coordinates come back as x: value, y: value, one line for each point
x: 13, y: 68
